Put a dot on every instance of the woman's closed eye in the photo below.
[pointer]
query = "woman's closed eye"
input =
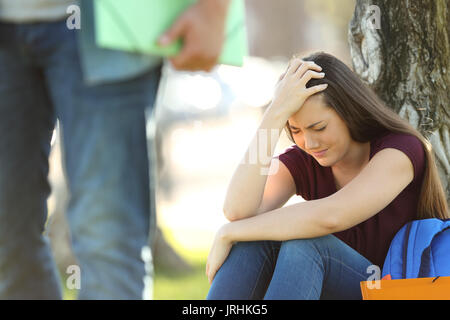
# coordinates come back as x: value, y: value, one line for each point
x: 295, y: 132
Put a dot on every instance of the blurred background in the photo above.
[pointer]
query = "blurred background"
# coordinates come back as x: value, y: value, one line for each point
x: 204, y: 124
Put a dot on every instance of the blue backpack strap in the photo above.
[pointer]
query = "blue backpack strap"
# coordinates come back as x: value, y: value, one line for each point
x: 405, y: 249
x: 425, y: 263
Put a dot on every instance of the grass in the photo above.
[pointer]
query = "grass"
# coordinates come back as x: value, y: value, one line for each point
x: 186, y: 286
x: 190, y: 286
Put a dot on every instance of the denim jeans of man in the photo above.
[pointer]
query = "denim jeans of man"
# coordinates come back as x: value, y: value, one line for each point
x: 105, y: 160
x: 305, y: 269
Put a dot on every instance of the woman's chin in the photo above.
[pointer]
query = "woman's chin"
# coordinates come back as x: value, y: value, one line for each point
x: 323, y: 161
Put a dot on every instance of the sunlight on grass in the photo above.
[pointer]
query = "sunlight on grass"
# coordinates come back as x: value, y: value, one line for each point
x: 192, y: 286
x: 68, y: 294
x: 187, y: 286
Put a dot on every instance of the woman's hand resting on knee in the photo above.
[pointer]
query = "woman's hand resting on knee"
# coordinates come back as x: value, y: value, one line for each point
x: 219, y: 252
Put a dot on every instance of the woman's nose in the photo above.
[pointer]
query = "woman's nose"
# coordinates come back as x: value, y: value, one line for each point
x: 311, y: 144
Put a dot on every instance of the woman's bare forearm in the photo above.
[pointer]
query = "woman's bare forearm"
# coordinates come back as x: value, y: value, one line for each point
x: 246, y: 188
x: 308, y: 219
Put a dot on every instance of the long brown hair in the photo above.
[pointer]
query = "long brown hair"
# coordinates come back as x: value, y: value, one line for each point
x: 367, y: 117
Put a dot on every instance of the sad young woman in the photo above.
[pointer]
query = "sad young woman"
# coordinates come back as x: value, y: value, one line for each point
x: 363, y: 171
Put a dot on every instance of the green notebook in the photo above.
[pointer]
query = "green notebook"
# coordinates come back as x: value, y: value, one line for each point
x: 136, y: 25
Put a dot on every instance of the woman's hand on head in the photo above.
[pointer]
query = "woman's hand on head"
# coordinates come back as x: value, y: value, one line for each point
x: 291, y: 91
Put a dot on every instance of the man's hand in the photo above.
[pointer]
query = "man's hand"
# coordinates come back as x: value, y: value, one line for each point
x: 201, y: 28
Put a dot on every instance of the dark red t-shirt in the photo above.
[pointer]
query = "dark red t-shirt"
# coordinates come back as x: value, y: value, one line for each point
x: 372, y: 237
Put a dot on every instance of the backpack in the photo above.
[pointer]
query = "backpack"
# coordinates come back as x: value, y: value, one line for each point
x: 420, y: 249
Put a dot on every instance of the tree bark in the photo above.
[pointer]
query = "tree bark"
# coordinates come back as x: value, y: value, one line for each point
x: 401, y: 49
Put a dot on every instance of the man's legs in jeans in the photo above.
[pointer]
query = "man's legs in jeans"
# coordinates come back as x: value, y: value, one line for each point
x: 318, y: 268
x: 27, y: 268
x: 106, y: 162
x: 107, y: 167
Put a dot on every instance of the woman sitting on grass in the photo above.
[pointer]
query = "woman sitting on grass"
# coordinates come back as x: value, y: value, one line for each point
x: 363, y: 171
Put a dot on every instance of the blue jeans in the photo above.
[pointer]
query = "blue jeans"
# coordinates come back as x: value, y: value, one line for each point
x: 319, y: 268
x: 105, y: 160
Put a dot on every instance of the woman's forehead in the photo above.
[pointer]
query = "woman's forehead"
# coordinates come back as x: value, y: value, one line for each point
x: 314, y: 109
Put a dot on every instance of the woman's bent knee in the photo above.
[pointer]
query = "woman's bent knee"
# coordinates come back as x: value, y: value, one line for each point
x: 312, y: 247
x: 311, y: 243
x: 252, y: 245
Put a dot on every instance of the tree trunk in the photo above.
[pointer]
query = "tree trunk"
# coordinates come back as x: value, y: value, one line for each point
x: 401, y: 49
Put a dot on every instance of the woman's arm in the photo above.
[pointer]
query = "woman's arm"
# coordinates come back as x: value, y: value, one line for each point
x: 388, y: 173
x: 302, y: 220
x: 246, y: 189
x: 378, y: 184
x: 308, y: 219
